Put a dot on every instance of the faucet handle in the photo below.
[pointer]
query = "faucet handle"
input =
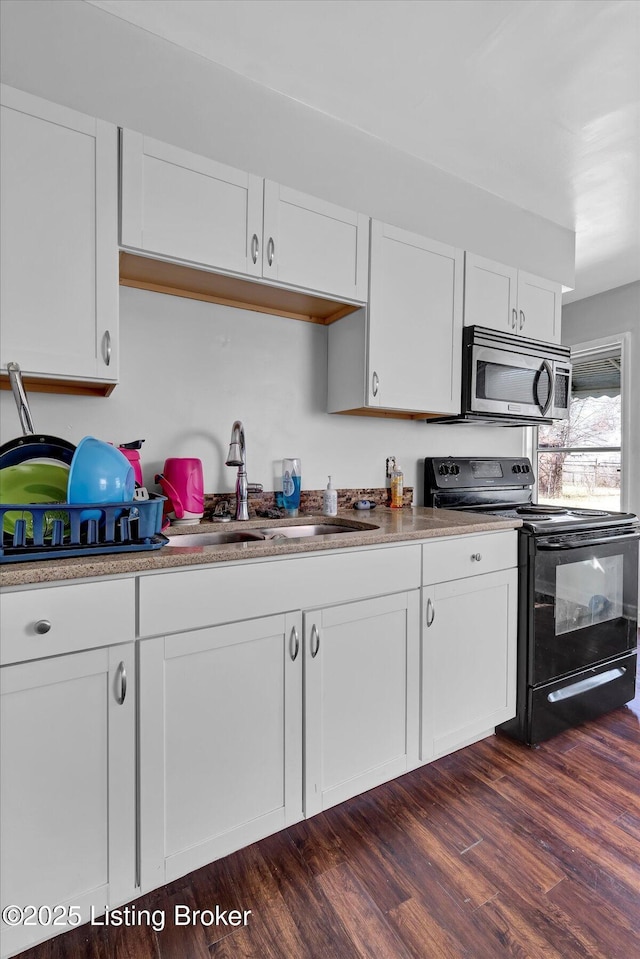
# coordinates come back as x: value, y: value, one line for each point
x: 255, y: 488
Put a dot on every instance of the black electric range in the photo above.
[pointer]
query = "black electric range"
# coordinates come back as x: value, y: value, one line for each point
x: 577, y: 592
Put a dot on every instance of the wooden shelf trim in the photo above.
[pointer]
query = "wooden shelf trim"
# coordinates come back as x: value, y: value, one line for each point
x: 174, y: 279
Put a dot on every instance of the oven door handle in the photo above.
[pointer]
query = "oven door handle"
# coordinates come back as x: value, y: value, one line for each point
x: 576, y: 544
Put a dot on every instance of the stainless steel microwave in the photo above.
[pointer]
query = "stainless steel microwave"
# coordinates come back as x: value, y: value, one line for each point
x: 512, y: 381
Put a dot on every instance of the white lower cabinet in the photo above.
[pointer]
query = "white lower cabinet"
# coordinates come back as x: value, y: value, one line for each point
x: 361, y: 663
x: 67, y: 790
x: 469, y: 648
x: 220, y: 741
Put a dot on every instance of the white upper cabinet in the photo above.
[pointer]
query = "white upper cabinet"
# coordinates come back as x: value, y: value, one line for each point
x: 180, y: 206
x: 186, y: 207
x: 404, y: 356
x: 313, y: 244
x: 503, y: 298
x: 59, y: 265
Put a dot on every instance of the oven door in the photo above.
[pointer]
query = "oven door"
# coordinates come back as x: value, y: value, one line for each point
x: 585, y: 601
x: 510, y: 383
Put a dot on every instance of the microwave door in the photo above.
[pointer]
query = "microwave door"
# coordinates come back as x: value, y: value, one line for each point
x: 509, y: 383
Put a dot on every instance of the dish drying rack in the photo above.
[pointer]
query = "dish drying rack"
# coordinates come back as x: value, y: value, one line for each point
x: 58, y: 530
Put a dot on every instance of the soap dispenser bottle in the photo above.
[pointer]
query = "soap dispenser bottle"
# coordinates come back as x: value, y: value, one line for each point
x: 397, y: 486
x: 330, y: 500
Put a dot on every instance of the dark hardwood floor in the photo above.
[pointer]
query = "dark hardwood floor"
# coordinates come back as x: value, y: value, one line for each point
x: 497, y: 850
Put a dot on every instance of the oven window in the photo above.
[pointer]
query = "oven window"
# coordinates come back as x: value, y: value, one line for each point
x: 512, y: 384
x: 588, y: 592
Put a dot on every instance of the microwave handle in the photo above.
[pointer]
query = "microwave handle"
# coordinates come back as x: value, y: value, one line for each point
x: 552, y: 386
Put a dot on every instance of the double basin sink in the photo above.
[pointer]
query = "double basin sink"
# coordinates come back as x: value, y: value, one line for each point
x: 263, y: 534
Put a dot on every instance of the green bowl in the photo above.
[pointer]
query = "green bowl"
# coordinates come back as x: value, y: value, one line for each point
x: 35, y: 481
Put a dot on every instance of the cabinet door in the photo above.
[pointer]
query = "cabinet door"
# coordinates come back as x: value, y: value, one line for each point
x: 181, y: 206
x: 59, y: 268
x: 415, y: 322
x: 220, y: 741
x: 490, y: 294
x: 313, y: 244
x: 539, y: 308
x: 67, y: 786
x: 468, y: 660
x: 361, y: 696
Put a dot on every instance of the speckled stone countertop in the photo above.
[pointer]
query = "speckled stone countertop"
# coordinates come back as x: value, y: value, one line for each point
x: 382, y: 525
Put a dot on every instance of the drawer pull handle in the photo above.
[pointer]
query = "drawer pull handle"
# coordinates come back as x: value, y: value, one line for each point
x: 431, y: 613
x: 42, y: 626
x: 315, y: 649
x: 294, y: 644
x: 123, y: 684
x: 375, y: 383
x: 255, y: 246
x: 476, y: 556
x: 271, y: 248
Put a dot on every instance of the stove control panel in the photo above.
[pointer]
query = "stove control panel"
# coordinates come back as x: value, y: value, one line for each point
x: 477, y: 473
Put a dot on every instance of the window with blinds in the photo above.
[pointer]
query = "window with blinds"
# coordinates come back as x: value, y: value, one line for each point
x: 579, y: 459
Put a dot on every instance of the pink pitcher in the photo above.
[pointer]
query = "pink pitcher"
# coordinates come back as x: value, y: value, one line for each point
x: 182, y: 482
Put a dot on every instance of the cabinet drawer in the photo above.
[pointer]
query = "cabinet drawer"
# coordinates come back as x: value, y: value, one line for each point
x: 80, y: 617
x: 463, y: 556
x: 190, y: 599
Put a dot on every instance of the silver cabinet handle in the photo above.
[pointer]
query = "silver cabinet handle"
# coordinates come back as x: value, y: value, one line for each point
x: 514, y: 319
x: 431, y: 613
x: 375, y: 383
x: 315, y: 649
x: 476, y: 556
x: 255, y: 246
x: 123, y: 684
x: 42, y: 626
x: 294, y: 644
x: 270, y: 251
x: 107, y: 347
x: 523, y: 319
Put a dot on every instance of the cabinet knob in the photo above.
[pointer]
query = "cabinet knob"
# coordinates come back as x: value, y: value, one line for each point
x: 122, y: 675
x: 315, y: 647
x: 476, y: 556
x: 294, y: 644
x: 107, y: 347
x: 431, y: 613
x: 42, y: 626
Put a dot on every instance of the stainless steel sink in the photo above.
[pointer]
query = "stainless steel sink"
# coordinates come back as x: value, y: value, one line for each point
x: 222, y: 538
x: 263, y: 534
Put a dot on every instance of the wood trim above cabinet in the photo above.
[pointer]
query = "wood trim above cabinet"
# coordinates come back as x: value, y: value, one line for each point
x: 175, y: 279
x: 68, y: 387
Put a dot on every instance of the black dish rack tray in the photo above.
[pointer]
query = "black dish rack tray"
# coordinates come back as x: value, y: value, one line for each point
x: 58, y: 530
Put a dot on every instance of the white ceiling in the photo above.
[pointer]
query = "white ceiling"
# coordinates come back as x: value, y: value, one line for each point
x: 537, y: 101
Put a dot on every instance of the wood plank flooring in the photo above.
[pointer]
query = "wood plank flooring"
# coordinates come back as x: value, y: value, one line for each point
x: 495, y: 851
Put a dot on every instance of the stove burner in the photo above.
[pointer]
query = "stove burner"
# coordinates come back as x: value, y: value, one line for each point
x: 541, y: 511
x: 589, y: 512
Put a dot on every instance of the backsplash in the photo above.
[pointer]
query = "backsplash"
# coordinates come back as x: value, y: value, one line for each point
x: 310, y: 500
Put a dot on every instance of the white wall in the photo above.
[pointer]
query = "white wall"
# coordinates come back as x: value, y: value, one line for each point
x: 188, y: 369
x: 182, y: 392
x: 616, y: 311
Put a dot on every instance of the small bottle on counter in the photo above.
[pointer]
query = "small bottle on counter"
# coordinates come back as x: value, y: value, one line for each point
x: 330, y: 500
x: 397, y: 487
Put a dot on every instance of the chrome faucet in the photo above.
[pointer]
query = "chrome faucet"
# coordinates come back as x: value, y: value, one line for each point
x: 237, y: 456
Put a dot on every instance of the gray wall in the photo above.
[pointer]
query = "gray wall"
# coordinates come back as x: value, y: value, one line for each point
x: 182, y: 390
x: 616, y: 311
